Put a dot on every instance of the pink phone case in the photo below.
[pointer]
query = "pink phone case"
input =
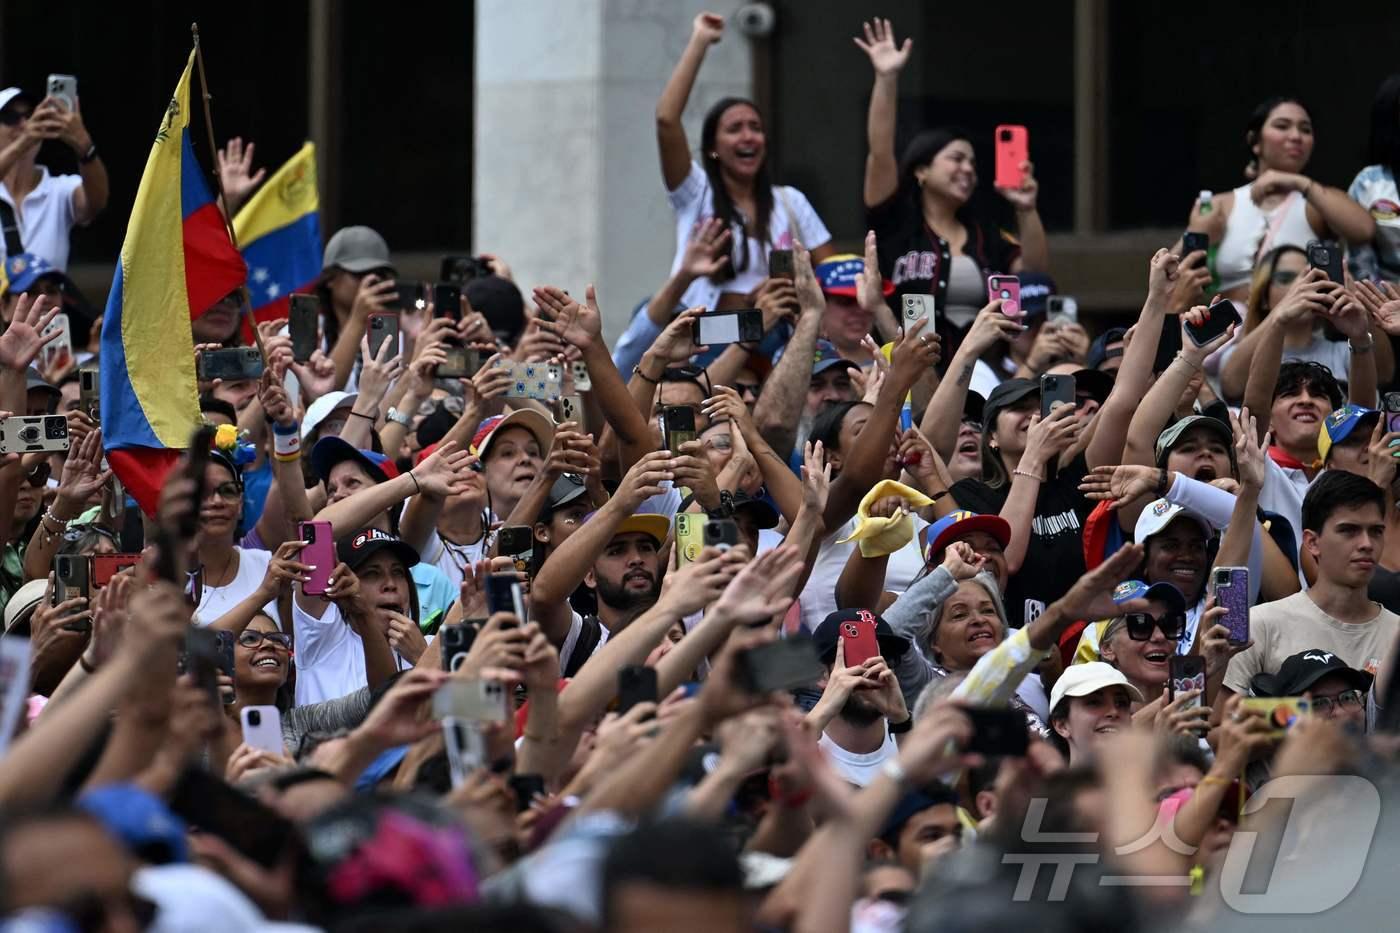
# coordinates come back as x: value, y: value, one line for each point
x: 1012, y: 149
x: 1008, y: 289
x: 320, y: 553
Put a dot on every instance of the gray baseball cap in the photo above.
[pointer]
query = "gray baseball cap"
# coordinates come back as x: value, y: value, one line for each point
x: 356, y: 249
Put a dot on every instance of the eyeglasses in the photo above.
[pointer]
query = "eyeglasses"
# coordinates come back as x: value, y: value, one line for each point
x: 229, y: 492
x: 250, y: 638
x: 1140, y: 625
x: 14, y: 117
x: 1347, y: 699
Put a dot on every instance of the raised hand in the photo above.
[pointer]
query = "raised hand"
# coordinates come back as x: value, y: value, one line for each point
x: 879, y: 44
x: 674, y: 344
x: 316, y: 376
x: 283, y: 569
x: 762, y: 589
x: 1251, y: 456
x: 1023, y: 199
x: 397, y: 718
x: 572, y: 451
x: 1049, y: 437
x: 1382, y: 305
x: 707, y: 28
x: 378, y: 372
x: 238, y: 180
x: 960, y: 560
x: 1193, y: 354
x: 492, y: 380
x: 1091, y: 597
x: 1349, y: 316
x: 776, y: 299
x: 83, y: 476
x: 693, y: 470
x: 990, y: 326
x: 272, y: 395
x: 343, y: 589
x: 24, y: 338
x: 725, y: 404
x: 1311, y: 293
x: 1119, y: 485
x: 707, y: 250
x: 1216, y: 646
x: 576, y: 325
x: 870, y: 286
x: 699, y: 583
x: 816, y: 478
x: 375, y: 295
x: 444, y: 471
x: 1385, y: 447
x: 644, y: 480
x: 915, y: 352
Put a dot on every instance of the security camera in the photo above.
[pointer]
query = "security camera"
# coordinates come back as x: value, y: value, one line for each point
x: 755, y: 20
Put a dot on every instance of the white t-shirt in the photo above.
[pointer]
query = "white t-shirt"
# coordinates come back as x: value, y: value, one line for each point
x: 1374, y: 188
x: 693, y: 202
x: 860, y: 770
x: 450, y: 558
x: 46, y: 217
x: 330, y: 656
x: 217, y: 600
x: 818, y: 597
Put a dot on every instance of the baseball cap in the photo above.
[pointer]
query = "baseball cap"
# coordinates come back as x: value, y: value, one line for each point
x: 1168, y: 438
x: 12, y: 93
x: 650, y: 524
x: 537, y: 424
x: 974, y: 406
x: 1035, y: 289
x: 1080, y: 680
x: 20, y: 608
x: 1004, y: 396
x: 1094, y: 381
x: 892, y: 646
x: 354, y: 550
x: 1099, y: 353
x: 567, y: 488
x: 332, y: 450
x: 1300, y: 671
x: 320, y: 410
x: 764, y: 515
x: 24, y: 269
x: 915, y: 802
x: 141, y: 820
x: 954, y: 525
x: 1162, y: 592
x: 1158, y: 515
x: 356, y: 249
x: 1340, y: 424
x: 837, y: 275
x: 827, y: 357
x: 32, y: 381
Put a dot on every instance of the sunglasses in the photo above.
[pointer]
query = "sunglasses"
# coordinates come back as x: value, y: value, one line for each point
x: 249, y: 638
x: 1140, y: 625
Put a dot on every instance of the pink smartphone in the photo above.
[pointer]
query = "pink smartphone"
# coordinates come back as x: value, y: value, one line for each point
x: 1012, y: 149
x: 319, y: 553
x: 1007, y: 288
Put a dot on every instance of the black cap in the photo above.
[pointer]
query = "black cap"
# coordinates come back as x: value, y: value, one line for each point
x: 763, y: 513
x: 1098, y: 350
x: 501, y: 303
x: 892, y: 646
x: 1300, y: 671
x: 331, y: 450
x: 354, y: 550
x: 567, y: 488
x: 974, y: 406
x: 1094, y: 381
x: 32, y: 381
x: 1004, y: 396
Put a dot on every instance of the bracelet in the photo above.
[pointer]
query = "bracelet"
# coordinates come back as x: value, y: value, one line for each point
x: 286, y: 458
x: 1020, y: 472
x: 787, y: 801
x: 899, y: 728
x: 358, y: 414
x: 1161, y: 483
x: 286, y: 446
x: 637, y: 371
x: 293, y: 428
x: 1196, y: 366
x: 48, y: 516
x: 938, y: 495
x: 1370, y: 345
x: 416, y: 488
x: 1212, y: 779
x: 893, y: 770
x: 88, y: 156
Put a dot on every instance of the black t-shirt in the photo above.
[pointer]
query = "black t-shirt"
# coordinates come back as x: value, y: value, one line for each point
x: 1055, y: 554
x: 1385, y: 588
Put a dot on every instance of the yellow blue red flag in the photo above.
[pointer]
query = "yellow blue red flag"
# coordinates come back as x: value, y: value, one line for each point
x: 280, y: 232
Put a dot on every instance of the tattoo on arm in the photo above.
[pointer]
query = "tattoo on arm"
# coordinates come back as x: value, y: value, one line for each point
x: 965, y: 377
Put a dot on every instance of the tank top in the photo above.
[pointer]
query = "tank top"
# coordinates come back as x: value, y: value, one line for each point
x: 1251, y: 232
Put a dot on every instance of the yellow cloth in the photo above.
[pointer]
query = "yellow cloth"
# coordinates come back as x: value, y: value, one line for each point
x: 880, y: 535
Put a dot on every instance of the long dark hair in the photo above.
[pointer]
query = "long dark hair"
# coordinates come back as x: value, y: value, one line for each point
x: 1385, y: 126
x: 920, y: 152
x: 1257, y: 118
x: 724, y: 204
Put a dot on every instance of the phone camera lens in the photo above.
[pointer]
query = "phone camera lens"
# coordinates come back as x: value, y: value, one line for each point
x: 254, y: 717
x: 1006, y: 136
x: 55, y: 428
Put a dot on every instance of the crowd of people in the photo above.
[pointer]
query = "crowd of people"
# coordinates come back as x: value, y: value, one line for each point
x: 844, y: 625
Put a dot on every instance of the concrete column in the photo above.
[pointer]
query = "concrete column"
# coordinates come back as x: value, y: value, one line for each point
x: 567, y: 185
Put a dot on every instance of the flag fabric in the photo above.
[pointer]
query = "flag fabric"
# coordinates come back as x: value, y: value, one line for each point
x: 280, y: 233
x: 176, y: 261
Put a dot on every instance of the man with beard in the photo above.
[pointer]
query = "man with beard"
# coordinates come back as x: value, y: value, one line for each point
x: 617, y: 553
x: 861, y: 708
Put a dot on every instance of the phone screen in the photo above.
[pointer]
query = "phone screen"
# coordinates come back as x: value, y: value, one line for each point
x: 718, y: 328
x: 1219, y: 318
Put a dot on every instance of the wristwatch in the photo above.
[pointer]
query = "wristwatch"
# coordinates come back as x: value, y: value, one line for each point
x: 398, y: 417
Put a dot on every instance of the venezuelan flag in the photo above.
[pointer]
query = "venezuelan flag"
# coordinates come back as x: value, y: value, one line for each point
x: 176, y: 261
x: 280, y: 229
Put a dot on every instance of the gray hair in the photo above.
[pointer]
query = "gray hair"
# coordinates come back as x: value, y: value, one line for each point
x: 935, y: 616
x: 935, y: 690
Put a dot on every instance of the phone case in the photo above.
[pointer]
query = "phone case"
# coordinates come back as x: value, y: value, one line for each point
x: 70, y: 573
x: 1230, y: 586
x: 518, y: 543
x: 679, y: 421
x: 917, y: 307
x: 57, y: 353
x: 456, y: 642
x: 472, y: 701
x: 1327, y: 256
x: 568, y: 408
x: 722, y: 533
x: 1054, y: 390
x: 1188, y: 672
x: 780, y: 264
x: 998, y: 732
x: 234, y: 363
x: 1222, y: 315
x: 859, y: 641
x: 447, y: 301
x: 583, y: 382
x: 319, y: 553
x: 303, y: 326
x: 1281, y: 713
x: 64, y: 89
x: 503, y: 595
x: 466, y: 749
x: 262, y: 728
x: 107, y: 566
x: 1008, y: 289
x: 382, y: 327
x: 781, y: 665
x: 1012, y: 148
x: 89, y: 393
x: 28, y: 433
x: 690, y: 536
x: 1192, y: 242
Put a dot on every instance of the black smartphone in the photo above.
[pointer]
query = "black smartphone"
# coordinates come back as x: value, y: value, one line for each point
x: 203, y: 662
x: 1187, y: 672
x: 997, y: 732
x: 780, y: 264
x: 636, y: 683
x: 1055, y: 388
x: 447, y: 300
x: 231, y: 364
x: 780, y: 665
x: 719, y: 327
x: 679, y: 424
x: 383, y: 326
x: 460, y: 363
x: 71, y: 580
x: 503, y: 595
x: 457, y: 642
x: 89, y: 389
x: 304, y: 326
x: 1219, y: 317
x: 722, y: 533
x: 462, y: 269
x: 212, y: 806
x: 518, y: 543
x: 1192, y: 242
x: 1327, y: 256
x: 410, y: 296
x: 526, y: 787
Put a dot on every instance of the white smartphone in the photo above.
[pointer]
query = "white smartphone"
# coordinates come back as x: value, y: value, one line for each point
x: 57, y: 354
x: 64, y: 90
x: 262, y: 728
x: 916, y: 307
x: 466, y: 749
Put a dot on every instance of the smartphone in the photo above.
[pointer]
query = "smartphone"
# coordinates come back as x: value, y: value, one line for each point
x: 1013, y: 146
x: 569, y: 408
x: 918, y: 307
x: 27, y: 433
x: 518, y: 543
x: 1230, y: 587
x: 780, y: 665
x: 203, y: 662
x: 472, y: 701
x: 1327, y: 256
x: 1219, y: 317
x: 1055, y: 389
x: 107, y: 566
x: 462, y: 269
x: 233, y: 364
x: 64, y: 90
x: 1193, y: 242
x: 859, y: 641
x: 447, y: 300
x: 1062, y: 309
x: 1187, y: 672
x: 780, y: 264
x: 262, y: 728
x: 319, y: 553
x: 997, y: 732
x: 540, y: 381
x: 1390, y: 404
x: 1281, y: 713
x: 57, y: 354
x: 457, y: 642
x: 526, y: 788
x: 1007, y: 289
x: 466, y: 749
x: 195, y: 467
x: 383, y: 325
x: 690, y: 536
x: 70, y: 575
x: 583, y: 382
x: 224, y: 656
x: 410, y: 296
x: 679, y: 425
x: 503, y: 595
x: 744, y: 326
x: 722, y: 533
x: 210, y: 805
x: 304, y: 326
x: 636, y: 683
x: 460, y: 362
x: 89, y: 392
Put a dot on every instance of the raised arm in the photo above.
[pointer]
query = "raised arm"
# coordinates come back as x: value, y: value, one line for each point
x: 1160, y: 401
x: 887, y: 59
x: 374, y: 295
x: 1349, y: 316
x: 287, y: 503
x: 785, y: 488
x: 779, y: 408
x: 53, y: 121
x: 1311, y: 293
x: 944, y: 413
x: 1045, y: 440
x: 707, y: 29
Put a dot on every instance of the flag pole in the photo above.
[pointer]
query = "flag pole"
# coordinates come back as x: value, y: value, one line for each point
x: 245, y: 310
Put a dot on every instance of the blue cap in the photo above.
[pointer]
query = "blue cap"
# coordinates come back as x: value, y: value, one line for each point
x: 24, y: 269
x: 827, y: 356
x: 837, y: 275
x: 1162, y: 592
x: 1035, y: 289
x: 1338, y: 426
x: 141, y: 820
x: 332, y: 450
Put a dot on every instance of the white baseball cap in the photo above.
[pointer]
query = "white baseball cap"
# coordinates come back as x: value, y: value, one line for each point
x: 318, y: 410
x: 9, y: 94
x: 1080, y: 680
x: 1158, y: 515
